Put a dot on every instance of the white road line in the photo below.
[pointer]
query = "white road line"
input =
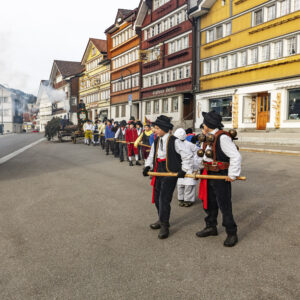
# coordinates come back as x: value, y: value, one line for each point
x: 15, y: 153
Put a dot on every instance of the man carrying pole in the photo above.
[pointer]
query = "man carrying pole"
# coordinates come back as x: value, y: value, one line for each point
x: 166, y: 155
x: 220, y: 157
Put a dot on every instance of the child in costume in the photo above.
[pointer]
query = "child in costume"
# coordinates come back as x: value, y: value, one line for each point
x: 144, y: 138
x: 221, y: 157
x: 130, y: 136
x: 88, y: 127
x: 186, y: 187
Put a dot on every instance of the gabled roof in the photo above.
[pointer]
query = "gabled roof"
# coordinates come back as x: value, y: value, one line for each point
x: 68, y: 68
x: 101, y: 45
x: 65, y: 68
x: 122, y: 14
x: 200, y: 7
x: 141, y: 13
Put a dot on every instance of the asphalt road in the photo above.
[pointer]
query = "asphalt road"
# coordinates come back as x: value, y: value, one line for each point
x: 12, y: 142
x: 74, y: 224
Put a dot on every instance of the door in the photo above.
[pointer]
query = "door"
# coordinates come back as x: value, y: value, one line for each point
x: 263, y: 110
x: 188, y: 107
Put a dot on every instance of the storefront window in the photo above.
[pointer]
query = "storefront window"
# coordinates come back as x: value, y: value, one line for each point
x: 174, y: 104
x: 156, y: 107
x: 222, y: 106
x: 148, y: 108
x: 165, y: 106
x: 294, y: 104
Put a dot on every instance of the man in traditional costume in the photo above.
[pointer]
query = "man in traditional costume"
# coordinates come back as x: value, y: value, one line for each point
x: 166, y: 155
x: 120, y: 136
x: 109, y: 137
x: 221, y: 157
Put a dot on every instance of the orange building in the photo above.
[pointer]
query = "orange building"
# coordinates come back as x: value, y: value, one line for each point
x: 123, y: 46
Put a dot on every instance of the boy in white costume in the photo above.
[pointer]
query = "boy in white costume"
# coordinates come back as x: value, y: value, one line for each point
x: 186, y: 187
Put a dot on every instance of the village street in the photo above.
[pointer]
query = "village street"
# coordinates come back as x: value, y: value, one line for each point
x: 74, y: 224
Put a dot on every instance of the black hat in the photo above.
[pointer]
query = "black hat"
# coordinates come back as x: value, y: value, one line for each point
x: 139, y: 123
x: 123, y: 123
x: 189, y: 131
x: 164, y: 123
x: 212, y: 120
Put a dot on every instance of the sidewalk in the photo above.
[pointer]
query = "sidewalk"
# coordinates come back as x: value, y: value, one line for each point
x: 269, y: 142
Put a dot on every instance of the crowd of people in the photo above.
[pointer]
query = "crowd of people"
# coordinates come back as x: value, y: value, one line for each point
x: 161, y: 150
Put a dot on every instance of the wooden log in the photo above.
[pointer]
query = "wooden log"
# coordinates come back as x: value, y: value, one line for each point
x: 195, y: 176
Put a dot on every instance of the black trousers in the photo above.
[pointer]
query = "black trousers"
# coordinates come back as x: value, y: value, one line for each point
x: 122, y: 150
x: 109, y: 145
x: 163, y: 193
x: 219, y: 197
x: 116, y: 149
x: 102, y: 142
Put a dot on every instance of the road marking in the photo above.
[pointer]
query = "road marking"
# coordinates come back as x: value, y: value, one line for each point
x: 15, y: 153
x: 271, y: 151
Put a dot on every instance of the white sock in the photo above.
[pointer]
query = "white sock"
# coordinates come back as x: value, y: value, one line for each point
x: 130, y: 158
x: 136, y: 157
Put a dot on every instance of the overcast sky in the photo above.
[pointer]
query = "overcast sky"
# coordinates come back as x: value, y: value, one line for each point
x: 35, y: 32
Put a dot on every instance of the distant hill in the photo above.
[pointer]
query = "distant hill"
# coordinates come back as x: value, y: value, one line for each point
x: 24, y: 97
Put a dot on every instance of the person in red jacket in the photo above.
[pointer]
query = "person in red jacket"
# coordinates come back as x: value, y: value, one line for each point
x: 130, y: 136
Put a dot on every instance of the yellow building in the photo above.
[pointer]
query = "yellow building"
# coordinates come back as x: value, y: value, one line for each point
x: 249, y: 62
x: 94, y: 86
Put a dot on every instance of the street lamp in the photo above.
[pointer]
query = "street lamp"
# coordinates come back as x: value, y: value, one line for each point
x: 130, y: 95
x: 2, y: 121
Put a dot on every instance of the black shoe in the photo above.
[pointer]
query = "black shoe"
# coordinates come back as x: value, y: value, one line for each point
x: 155, y: 225
x: 130, y: 164
x: 163, y: 232
x: 121, y: 160
x: 188, y: 203
x: 207, y: 231
x: 106, y: 153
x: 138, y: 163
x: 231, y: 240
x: 180, y: 203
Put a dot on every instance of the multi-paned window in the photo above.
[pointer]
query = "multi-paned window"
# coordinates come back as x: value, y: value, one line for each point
x: 105, y: 95
x: 178, y: 44
x: 174, y: 104
x: 93, y: 64
x: 165, y: 105
x: 125, y: 84
x: 292, y: 46
x: 148, y: 108
x: 122, y: 36
x: 159, y: 3
x: 294, y: 104
x: 125, y: 58
x: 218, y: 32
x: 156, y: 107
x: 222, y: 106
x: 166, y: 23
x: 261, y: 53
x: 172, y: 74
x: 278, y: 49
x: 274, y: 10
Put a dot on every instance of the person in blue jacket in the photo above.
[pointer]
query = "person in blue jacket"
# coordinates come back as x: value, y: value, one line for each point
x: 152, y: 136
x: 109, y: 137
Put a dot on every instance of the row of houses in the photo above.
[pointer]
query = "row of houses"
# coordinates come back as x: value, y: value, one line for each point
x: 240, y: 58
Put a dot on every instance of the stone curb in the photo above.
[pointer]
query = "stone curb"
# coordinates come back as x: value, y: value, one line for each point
x: 271, y: 151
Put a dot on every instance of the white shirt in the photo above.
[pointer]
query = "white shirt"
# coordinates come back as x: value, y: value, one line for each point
x: 119, y: 131
x: 230, y: 150
x: 186, y: 157
x: 88, y: 126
